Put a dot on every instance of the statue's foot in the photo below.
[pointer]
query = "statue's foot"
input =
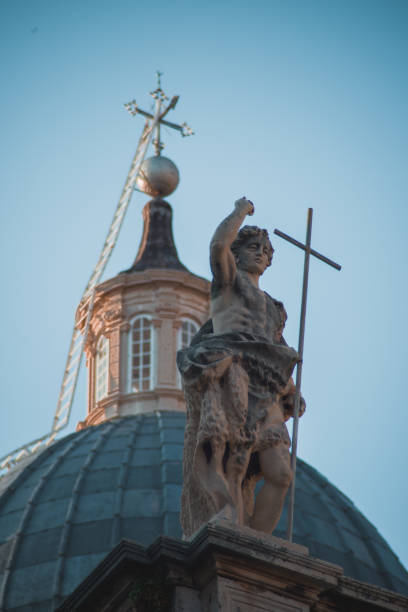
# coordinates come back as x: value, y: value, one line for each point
x: 228, y: 513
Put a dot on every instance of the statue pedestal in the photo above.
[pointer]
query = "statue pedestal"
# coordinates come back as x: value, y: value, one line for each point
x: 249, y: 571
x: 223, y: 568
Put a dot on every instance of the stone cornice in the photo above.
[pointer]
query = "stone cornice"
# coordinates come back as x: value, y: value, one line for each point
x: 117, y: 399
x: 178, y: 277
x: 354, y: 589
x: 222, y: 554
x: 159, y: 391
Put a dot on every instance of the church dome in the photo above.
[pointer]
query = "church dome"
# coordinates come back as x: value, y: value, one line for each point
x: 70, y: 505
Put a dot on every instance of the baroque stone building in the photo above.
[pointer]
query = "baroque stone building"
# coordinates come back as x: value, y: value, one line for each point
x: 119, y: 476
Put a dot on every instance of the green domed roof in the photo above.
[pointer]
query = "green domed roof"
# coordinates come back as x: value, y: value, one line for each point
x: 67, y: 508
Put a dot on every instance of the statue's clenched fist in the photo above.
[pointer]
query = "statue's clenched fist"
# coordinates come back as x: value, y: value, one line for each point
x: 245, y: 205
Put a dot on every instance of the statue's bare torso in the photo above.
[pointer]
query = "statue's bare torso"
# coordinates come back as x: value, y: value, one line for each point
x: 243, y: 308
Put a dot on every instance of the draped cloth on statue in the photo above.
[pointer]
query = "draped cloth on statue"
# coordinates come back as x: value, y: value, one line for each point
x: 239, y: 393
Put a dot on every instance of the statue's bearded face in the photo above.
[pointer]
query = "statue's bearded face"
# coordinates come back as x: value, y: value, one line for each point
x: 254, y: 255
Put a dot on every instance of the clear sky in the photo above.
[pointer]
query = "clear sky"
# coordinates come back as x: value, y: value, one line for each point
x: 294, y: 104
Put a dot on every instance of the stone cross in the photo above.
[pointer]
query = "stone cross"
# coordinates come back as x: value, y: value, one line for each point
x: 308, y: 251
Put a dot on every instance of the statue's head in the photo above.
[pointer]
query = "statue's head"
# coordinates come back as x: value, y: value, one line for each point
x: 252, y: 249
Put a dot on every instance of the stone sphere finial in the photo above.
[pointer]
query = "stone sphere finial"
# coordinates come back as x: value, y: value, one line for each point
x: 158, y: 176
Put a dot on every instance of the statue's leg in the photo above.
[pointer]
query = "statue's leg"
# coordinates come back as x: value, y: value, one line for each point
x: 277, y: 473
x: 210, y: 451
x: 237, y: 452
x: 221, y: 451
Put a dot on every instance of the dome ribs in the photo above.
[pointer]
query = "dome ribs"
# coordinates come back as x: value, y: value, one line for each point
x: 359, y: 522
x: 27, y: 470
x: 324, y: 488
x: 171, y: 449
x: 99, y: 441
x: 123, y: 479
x: 123, y: 474
x: 389, y: 583
x: 28, y: 510
x: 162, y: 471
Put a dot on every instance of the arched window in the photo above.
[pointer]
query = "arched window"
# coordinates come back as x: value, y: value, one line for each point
x: 141, y: 354
x: 187, y: 331
x: 101, y: 368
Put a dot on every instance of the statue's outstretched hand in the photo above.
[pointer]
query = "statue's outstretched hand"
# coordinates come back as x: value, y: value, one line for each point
x: 245, y: 206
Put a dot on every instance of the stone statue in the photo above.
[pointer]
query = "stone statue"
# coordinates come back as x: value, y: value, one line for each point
x: 238, y: 389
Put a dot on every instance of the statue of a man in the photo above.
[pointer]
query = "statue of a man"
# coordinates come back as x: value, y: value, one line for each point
x: 238, y: 388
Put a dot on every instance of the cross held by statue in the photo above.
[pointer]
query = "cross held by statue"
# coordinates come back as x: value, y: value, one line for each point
x: 308, y: 251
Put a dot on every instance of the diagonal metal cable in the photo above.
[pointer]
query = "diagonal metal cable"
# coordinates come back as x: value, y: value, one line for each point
x: 78, y: 339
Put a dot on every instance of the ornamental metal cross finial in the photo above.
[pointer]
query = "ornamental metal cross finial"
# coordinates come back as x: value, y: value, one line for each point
x: 160, y: 98
x: 308, y: 251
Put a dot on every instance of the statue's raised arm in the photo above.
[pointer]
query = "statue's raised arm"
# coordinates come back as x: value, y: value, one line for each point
x: 222, y: 261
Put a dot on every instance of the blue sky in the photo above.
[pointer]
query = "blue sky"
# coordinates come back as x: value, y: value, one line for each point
x: 294, y: 104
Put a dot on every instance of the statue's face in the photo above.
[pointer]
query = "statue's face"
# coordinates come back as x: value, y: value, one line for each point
x: 254, y: 255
